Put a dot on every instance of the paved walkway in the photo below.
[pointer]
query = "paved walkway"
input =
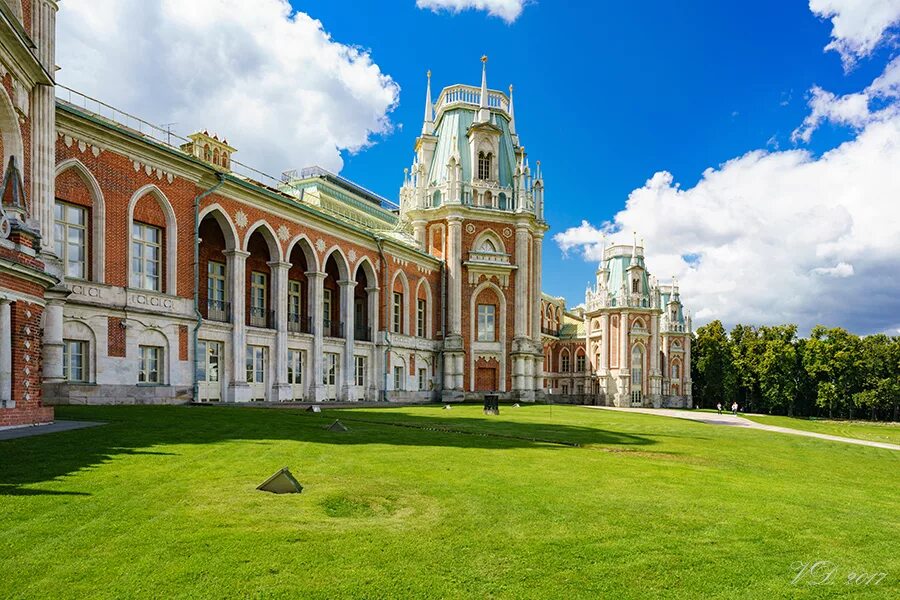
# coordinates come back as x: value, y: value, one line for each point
x: 11, y: 433
x: 729, y: 419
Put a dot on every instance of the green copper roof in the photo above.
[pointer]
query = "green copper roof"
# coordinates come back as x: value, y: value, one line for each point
x: 455, y: 124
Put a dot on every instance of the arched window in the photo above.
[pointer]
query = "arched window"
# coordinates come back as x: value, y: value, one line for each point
x: 436, y: 199
x: 225, y: 160
x: 487, y: 246
x: 207, y: 153
x: 216, y: 156
x: 564, y: 361
x: 676, y: 370
x: 501, y: 201
x: 635, y: 285
x: 484, y: 165
x: 637, y: 367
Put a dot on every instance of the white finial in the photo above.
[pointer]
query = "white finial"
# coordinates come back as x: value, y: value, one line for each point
x: 512, y: 114
x: 428, y: 124
x: 484, y: 113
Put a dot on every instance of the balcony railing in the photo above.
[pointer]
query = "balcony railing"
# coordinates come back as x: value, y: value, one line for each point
x: 470, y: 95
x: 550, y: 331
x: 260, y: 317
x: 333, y: 329
x: 297, y: 323
x: 362, y: 334
x: 218, y: 310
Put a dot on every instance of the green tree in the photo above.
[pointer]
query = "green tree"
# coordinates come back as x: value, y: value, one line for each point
x: 712, y: 366
x: 746, y: 351
x: 834, y: 356
x: 778, y: 369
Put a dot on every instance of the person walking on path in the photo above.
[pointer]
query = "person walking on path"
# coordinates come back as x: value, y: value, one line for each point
x: 719, y: 407
x: 734, y: 408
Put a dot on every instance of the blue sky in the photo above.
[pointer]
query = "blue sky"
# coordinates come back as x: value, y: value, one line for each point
x: 754, y: 145
x: 606, y: 93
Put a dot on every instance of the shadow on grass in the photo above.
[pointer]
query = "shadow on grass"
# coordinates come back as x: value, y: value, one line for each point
x: 136, y: 430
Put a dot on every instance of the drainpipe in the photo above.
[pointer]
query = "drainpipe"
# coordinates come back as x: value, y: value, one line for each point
x: 194, y: 335
x: 387, y: 330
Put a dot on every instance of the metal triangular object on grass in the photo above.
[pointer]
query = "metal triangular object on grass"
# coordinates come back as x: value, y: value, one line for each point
x: 282, y: 482
x: 337, y: 426
x: 313, y: 409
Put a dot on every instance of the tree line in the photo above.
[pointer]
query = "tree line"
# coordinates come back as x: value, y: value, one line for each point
x: 832, y: 373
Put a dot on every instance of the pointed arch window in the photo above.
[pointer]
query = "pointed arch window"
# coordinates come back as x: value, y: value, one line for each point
x: 637, y: 366
x: 635, y: 285
x: 484, y: 165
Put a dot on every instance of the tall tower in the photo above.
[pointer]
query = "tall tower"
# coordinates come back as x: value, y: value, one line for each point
x: 473, y: 201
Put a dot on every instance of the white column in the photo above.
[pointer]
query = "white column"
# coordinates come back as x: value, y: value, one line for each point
x: 454, y: 275
x: 53, y: 340
x: 537, y: 261
x: 521, y: 278
x: 419, y: 233
x: 605, y: 344
x: 43, y: 124
x: 238, y: 390
x: 315, y: 298
x: 5, y: 354
x: 348, y: 391
x: 374, y: 370
x: 282, y: 389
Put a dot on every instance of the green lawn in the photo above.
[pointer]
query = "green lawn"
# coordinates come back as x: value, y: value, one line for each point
x: 863, y: 430
x: 421, y: 502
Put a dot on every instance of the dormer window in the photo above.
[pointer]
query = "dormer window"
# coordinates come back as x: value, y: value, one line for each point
x: 635, y: 286
x: 484, y: 165
x: 674, y: 314
x: 207, y: 153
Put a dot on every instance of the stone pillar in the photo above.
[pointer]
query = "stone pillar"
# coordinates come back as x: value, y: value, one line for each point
x: 53, y: 339
x: 624, y: 396
x: 419, y: 233
x: 374, y: 369
x: 315, y: 298
x: 521, y: 346
x: 6, y: 400
x: 453, y: 342
x: 688, y: 382
x: 238, y: 390
x: 43, y: 124
x: 281, y: 391
x: 537, y: 249
x: 348, y: 375
x: 454, y: 275
x: 605, y: 344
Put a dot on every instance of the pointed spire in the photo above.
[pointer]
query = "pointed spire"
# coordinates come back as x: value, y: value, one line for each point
x: 537, y: 171
x: 428, y: 123
x: 512, y: 114
x: 484, y: 113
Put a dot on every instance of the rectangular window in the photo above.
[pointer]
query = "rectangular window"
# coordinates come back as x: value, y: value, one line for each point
x: 256, y: 364
x: 70, y: 228
x: 74, y: 360
x: 420, y: 317
x: 258, y: 292
x: 215, y: 282
x: 565, y: 388
x: 295, y: 366
x: 146, y: 254
x: 209, y: 354
x: 329, y: 376
x: 151, y: 364
x: 360, y: 371
x: 486, y: 326
x: 398, y: 312
x: 398, y: 378
x: 295, y: 300
x: 423, y: 379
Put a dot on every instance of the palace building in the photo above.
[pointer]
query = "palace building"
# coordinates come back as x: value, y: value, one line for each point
x: 138, y: 267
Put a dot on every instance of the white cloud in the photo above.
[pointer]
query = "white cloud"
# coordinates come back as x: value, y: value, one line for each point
x: 508, y: 10
x: 854, y: 110
x: 270, y: 80
x: 858, y: 26
x: 773, y: 237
